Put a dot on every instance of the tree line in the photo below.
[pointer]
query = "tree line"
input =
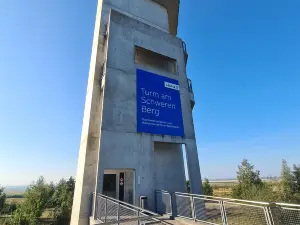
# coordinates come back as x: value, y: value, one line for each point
x: 56, y: 200
x: 39, y: 199
x: 250, y: 185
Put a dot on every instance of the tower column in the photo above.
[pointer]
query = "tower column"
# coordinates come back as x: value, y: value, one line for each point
x: 90, y: 135
x: 193, y: 166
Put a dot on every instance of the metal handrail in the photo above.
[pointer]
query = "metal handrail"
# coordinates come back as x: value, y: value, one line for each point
x: 184, y: 46
x: 221, y: 198
x: 112, y: 212
x: 127, y: 204
x: 163, y: 191
x: 266, y: 213
x: 287, y: 204
x: 190, y: 85
x: 237, y: 200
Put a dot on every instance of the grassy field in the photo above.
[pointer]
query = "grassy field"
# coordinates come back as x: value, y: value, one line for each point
x: 14, y: 196
x: 223, y: 188
x: 14, y: 200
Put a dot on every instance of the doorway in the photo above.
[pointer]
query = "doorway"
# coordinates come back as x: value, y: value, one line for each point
x: 119, y: 184
x: 110, y: 185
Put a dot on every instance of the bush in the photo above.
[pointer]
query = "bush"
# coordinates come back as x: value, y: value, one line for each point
x: 2, y: 198
x: 41, y: 196
x: 9, y: 208
x: 188, y: 186
x: 207, y: 188
x: 264, y: 192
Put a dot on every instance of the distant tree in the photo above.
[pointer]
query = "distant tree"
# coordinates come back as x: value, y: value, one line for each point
x: 40, y: 196
x: 246, y: 174
x: 286, y: 183
x: 15, y: 196
x: 249, y: 181
x: 37, y: 198
x: 188, y: 186
x: 207, y: 188
x: 50, y: 203
x: 296, y: 178
x: 63, y: 200
x: 2, y: 198
x: 250, y: 186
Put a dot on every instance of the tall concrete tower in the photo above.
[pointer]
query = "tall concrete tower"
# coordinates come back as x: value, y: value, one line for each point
x: 138, y: 110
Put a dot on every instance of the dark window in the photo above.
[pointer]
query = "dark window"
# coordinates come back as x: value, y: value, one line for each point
x: 155, y: 60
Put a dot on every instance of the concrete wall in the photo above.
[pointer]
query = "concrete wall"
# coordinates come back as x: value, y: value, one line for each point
x: 120, y: 145
x: 169, y: 167
x: 143, y: 10
x: 109, y: 139
x: 129, y: 186
x: 120, y: 81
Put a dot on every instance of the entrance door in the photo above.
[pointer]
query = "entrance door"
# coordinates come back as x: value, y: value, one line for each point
x: 110, y: 185
x: 119, y: 184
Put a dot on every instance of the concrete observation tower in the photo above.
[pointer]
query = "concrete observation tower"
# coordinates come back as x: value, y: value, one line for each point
x: 138, y: 109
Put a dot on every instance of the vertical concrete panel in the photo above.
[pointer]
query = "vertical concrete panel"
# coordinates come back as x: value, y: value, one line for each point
x: 169, y: 167
x: 126, y: 150
x: 193, y: 166
x: 186, y: 107
x: 120, y: 101
x: 143, y: 9
x: 129, y: 186
x: 88, y: 153
x: 147, y: 8
x: 121, y: 49
x: 144, y: 172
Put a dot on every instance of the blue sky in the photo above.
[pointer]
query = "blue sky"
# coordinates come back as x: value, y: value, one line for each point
x: 243, y: 60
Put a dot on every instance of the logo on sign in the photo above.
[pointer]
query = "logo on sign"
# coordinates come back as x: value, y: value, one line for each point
x: 172, y: 86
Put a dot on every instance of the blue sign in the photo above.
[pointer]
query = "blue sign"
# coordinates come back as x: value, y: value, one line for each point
x: 158, y: 104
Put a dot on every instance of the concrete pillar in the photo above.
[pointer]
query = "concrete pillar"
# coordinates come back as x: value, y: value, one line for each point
x: 193, y: 166
x: 90, y: 136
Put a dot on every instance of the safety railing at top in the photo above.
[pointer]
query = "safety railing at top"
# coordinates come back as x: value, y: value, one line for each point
x: 226, y: 211
x: 112, y: 211
x: 185, y: 52
x: 184, y: 47
x: 190, y: 85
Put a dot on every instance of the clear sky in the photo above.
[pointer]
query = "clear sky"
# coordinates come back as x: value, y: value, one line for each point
x: 244, y: 61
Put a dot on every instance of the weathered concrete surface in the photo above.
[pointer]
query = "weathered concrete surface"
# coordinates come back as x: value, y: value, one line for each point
x: 90, y: 136
x: 144, y: 11
x: 172, y: 7
x: 166, y: 155
x: 166, y: 16
x: 109, y: 139
x: 120, y: 145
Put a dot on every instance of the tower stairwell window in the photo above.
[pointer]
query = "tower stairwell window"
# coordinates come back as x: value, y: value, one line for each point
x: 154, y: 60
